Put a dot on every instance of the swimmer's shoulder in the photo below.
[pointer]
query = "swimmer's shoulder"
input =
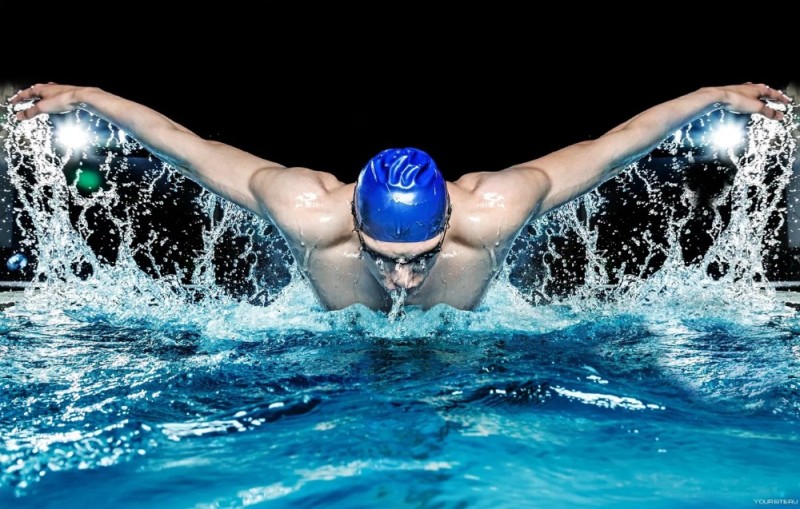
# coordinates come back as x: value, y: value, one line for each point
x: 466, y: 195
x: 330, y: 219
x: 481, y: 215
x: 307, y: 206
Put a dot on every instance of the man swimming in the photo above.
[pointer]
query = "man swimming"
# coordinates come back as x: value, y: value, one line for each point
x: 401, y: 227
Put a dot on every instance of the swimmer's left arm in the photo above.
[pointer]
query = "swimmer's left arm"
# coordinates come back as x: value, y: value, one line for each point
x: 550, y: 181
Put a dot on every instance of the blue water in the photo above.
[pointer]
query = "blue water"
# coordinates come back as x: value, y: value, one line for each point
x: 611, y: 411
x: 616, y: 371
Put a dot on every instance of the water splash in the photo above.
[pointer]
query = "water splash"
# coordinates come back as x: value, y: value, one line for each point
x: 138, y: 287
x: 748, y: 215
x: 63, y: 229
x: 398, y: 301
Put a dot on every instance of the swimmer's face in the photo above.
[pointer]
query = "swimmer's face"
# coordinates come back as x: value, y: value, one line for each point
x: 399, y: 265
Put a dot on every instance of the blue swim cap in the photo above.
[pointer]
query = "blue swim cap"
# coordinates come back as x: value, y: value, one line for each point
x: 400, y: 196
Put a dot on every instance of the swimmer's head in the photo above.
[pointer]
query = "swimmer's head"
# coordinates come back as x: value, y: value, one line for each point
x: 400, y: 196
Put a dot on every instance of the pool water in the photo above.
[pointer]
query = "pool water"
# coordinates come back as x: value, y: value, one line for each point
x: 598, y: 411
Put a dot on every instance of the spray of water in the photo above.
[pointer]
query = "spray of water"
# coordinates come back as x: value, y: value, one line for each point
x: 59, y: 225
x: 138, y: 287
x: 398, y: 300
x: 747, y: 218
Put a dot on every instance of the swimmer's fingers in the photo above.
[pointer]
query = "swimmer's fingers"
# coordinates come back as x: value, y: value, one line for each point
x: 750, y: 98
x: 769, y: 112
x: 772, y: 94
x: 749, y: 105
x: 29, y: 113
x: 765, y: 92
x: 51, y: 98
x: 26, y: 95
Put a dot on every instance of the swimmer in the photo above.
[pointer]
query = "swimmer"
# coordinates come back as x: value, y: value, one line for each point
x: 401, y: 228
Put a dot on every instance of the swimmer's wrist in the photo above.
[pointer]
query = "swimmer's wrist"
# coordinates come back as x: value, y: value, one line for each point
x: 85, y: 97
x: 715, y: 97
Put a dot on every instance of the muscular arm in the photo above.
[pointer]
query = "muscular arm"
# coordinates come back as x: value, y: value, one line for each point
x: 260, y: 186
x: 536, y: 187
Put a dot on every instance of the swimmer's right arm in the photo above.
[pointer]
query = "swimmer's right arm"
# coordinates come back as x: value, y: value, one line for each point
x: 260, y: 186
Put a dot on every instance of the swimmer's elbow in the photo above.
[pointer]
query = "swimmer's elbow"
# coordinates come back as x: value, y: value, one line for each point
x: 539, y: 185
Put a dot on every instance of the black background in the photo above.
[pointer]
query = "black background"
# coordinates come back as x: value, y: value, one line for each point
x: 327, y: 88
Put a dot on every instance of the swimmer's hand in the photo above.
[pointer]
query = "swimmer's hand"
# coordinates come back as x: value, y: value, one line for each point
x: 750, y: 98
x: 50, y: 98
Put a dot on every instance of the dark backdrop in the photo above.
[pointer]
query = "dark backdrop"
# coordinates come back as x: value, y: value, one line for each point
x: 328, y: 89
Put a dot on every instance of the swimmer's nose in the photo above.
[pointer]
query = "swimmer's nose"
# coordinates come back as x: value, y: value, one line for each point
x: 402, y: 277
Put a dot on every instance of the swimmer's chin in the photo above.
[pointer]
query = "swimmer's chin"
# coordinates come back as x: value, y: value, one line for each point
x: 408, y: 291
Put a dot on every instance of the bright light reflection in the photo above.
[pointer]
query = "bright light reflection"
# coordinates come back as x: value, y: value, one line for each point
x: 72, y: 136
x: 727, y: 136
